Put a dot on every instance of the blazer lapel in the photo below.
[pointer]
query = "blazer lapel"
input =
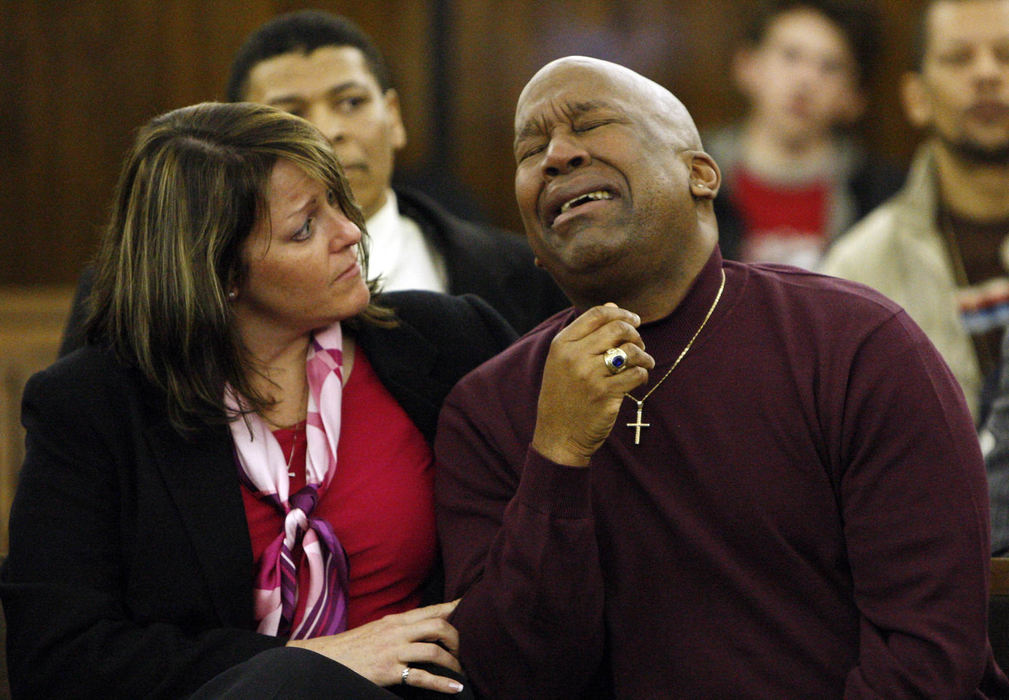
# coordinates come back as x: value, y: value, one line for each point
x: 405, y: 361
x: 200, y: 475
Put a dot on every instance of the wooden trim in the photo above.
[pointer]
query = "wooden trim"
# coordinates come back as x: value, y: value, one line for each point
x: 1000, y: 576
x: 31, y: 325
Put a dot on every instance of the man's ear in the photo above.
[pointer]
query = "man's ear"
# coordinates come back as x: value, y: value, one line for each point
x: 397, y: 135
x: 705, y: 177
x: 917, y: 104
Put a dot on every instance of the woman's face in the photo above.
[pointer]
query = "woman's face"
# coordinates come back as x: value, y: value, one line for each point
x: 302, y: 260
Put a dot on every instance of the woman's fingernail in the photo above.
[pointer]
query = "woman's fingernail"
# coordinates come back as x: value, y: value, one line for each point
x: 457, y: 687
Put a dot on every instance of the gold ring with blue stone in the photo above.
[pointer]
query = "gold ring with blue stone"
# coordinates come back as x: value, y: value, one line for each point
x: 615, y: 360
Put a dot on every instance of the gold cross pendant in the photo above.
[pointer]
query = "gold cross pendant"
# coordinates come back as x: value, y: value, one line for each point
x: 637, y: 424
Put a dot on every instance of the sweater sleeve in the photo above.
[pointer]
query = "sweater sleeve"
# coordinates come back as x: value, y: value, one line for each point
x: 68, y: 582
x: 519, y: 546
x: 915, y: 510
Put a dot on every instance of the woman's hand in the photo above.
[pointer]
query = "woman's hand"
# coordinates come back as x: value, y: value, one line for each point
x: 380, y: 650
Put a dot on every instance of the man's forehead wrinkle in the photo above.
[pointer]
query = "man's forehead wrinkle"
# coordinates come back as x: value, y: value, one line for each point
x: 539, y: 123
x: 626, y: 90
x: 584, y: 107
x: 646, y: 95
x: 531, y: 128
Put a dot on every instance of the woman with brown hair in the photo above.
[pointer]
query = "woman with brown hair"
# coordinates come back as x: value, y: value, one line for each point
x: 239, y: 460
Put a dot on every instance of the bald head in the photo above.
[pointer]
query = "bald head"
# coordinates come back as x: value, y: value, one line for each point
x: 613, y: 84
x: 613, y: 187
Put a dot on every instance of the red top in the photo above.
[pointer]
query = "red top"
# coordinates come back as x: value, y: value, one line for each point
x: 783, y: 223
x: 379, y: 502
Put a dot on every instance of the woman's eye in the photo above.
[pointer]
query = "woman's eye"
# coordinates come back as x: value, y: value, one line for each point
x: 304, y: 232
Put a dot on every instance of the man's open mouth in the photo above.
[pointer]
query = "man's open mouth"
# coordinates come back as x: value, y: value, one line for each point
x: 585, y: 198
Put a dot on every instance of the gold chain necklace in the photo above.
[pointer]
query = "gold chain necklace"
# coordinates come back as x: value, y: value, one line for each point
x: 638, y: 424
x: 297, y: 430
x: 294, y: 427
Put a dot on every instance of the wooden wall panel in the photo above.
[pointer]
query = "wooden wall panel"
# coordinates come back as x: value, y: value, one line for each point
x: 31, y: 324
x: 78, y: 76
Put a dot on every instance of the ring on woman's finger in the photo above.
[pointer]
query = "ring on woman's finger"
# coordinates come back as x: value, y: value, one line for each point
x: 615, y: 360
x: 405, y: 674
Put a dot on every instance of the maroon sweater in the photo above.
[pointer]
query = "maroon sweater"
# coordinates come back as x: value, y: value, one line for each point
x: 805, y: 517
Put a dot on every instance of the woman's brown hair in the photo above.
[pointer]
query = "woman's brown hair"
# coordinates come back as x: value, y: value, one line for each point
x: 191, y: 189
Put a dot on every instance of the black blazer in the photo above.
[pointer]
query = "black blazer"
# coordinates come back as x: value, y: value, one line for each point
x: 130, y: 567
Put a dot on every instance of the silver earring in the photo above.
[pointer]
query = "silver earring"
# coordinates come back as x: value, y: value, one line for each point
x: 232, y: 295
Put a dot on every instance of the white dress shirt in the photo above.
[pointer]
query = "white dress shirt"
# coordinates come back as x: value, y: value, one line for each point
x: 400, y: 254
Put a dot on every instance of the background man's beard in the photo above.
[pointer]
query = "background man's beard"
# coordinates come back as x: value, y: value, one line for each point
x: 973, y: 152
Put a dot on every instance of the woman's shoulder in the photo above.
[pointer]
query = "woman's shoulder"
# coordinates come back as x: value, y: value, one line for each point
x: 460, y: 331
x: 438, y: 316
x: 83, y: 375
x: 421, y: 302
x: 89, y: 359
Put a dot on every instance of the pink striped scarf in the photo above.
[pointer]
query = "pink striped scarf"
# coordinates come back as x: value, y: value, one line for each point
x: 263, y: 469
